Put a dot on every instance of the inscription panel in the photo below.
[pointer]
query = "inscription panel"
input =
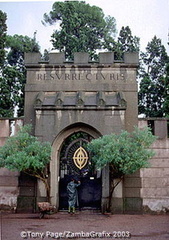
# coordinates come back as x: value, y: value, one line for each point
x: 81, y: 79
x: 80, y: 76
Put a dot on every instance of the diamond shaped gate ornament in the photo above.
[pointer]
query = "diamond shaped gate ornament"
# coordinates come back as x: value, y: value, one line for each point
x: 80, y: 158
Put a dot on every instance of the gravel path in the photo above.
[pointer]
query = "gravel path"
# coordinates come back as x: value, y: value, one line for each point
x: 84, y: 225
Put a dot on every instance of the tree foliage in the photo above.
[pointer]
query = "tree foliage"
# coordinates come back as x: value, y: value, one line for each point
x: 128, y: 42
x: 166, y: 93
x: 17, y: 45
x: 13, y: 78
x: 83, y: 28
x: 3, y: 29
x: 126, y: 152
x: 23, y: 152
x: 10, y: 86
x: 152, y: 85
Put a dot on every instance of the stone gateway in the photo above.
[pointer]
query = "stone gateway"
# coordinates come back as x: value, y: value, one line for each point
x: 70, y: 103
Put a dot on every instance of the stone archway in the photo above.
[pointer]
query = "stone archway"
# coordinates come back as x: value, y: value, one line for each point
x: 54, y: 166
x: 62, y: 97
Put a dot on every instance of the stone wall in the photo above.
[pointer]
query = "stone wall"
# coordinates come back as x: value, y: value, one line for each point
x: 8, y: 179
x: 63, y: 97
x: 151, y: 183
x: 55, y: 86
x: 98, y: 98
x: 155, y: 178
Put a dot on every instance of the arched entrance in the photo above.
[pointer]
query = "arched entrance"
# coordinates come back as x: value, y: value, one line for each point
x: 61, y: 169
x: 62, y: 98
x: 75, y: 161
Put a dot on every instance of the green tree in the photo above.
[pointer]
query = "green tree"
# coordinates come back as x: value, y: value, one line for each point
x: 128, y: 42
x: 17, y: 45
x: 125, y: 153
x: 166, y: 94
x: 82, y: 28
x: 23, y: 152
x: 3, y: 29
x: 13, y: 77
x: 10, y: 86
x: 152, y: 85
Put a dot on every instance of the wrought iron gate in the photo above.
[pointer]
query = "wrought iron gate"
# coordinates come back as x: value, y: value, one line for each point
x: 75, y: 161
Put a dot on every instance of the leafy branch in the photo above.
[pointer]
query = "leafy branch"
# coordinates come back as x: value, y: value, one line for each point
x: 23, y: 152
x: 124, y: 153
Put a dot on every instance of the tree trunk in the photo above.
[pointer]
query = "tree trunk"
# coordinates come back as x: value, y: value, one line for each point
x: 47, y: 187
x: 110, y: 199
x: 111, y: 193
x: 45, y: 181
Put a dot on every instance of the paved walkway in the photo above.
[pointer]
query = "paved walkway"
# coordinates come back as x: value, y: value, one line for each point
x: 84, y: 225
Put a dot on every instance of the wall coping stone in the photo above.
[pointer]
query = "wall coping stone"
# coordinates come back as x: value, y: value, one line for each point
x: 80, y: 58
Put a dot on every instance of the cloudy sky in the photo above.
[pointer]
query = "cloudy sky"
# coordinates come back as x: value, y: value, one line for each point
x: 146, y: 18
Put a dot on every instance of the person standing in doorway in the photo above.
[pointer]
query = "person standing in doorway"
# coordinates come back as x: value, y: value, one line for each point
x: 72, y: 195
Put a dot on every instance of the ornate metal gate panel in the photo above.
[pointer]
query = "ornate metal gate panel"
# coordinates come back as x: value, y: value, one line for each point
x: 75, y: 161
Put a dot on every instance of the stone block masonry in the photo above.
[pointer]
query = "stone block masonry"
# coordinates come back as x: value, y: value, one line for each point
x: 9, y: 189
x: 98, y: 98
x: 64, y: 97
x: 151, y: 183
x: 155, y: 178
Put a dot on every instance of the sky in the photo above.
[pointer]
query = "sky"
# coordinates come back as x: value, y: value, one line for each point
x: 146, y: 18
